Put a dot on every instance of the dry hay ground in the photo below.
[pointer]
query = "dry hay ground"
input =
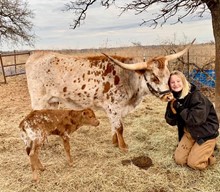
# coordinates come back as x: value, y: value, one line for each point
x: 97, y: 164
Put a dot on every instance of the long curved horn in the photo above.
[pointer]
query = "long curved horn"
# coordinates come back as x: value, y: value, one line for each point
x: 179, y: 54
x: 143, y: 65
x: 135, y: 66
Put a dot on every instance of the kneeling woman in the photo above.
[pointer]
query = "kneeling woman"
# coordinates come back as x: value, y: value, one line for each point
x: 197, y: 123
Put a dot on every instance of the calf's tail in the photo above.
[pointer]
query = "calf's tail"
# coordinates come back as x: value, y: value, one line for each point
x: 27, y: 141
x: 29, y: 147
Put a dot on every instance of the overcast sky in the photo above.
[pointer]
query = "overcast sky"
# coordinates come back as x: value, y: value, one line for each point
x: 103, y: 28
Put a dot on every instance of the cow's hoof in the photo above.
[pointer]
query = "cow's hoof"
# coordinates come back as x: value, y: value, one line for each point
x: 42, y: 168
x: 124, y: 149
x: 115, y: 144
x: 35, y: 177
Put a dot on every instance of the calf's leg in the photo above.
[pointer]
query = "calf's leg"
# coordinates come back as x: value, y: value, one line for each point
x: 67, y: 149
x: 35, y: 161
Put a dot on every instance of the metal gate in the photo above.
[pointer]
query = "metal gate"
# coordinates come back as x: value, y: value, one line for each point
x: 12, y: 69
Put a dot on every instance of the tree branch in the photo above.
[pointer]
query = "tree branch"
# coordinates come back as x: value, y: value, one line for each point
x: 167, y: 9
x: 15, y: 25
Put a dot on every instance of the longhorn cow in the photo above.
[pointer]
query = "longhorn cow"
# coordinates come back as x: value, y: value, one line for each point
x: 114, y: 84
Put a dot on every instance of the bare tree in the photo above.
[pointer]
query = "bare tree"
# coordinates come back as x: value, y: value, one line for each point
x: 15, y: 24
x: 167, y: 9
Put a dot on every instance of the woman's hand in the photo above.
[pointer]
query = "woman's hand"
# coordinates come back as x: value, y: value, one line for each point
x: 176, y: 106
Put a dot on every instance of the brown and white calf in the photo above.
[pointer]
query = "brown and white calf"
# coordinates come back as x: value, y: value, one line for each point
x: 37, y: 125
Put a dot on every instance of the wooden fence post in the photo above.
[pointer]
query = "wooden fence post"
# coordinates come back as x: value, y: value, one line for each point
x: 188, y: 62
x: 15, y: 61
x: 3, y: 71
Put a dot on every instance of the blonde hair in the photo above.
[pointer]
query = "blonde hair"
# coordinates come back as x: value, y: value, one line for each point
x: 186, y: 84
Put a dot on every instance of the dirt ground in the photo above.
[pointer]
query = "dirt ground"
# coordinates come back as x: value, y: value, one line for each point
x: 97, y: 164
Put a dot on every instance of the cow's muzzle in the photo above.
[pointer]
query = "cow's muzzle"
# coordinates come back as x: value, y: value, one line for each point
x: 163, y: 95
x: 157, y: 93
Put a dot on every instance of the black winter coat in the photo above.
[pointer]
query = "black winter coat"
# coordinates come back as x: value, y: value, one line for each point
x: 197, y: 115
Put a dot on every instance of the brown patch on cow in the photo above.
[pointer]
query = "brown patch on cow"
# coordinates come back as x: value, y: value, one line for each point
x: 95, y: 61
x: 108, y: 69
x: 86, y: 94
x: 96, y: 92
x: 83, y: 87
x: 55, y: 132
x: 97, y: 73
x: 97, y: 58
x: 56, y: 60
x: 106, y: 87
x: 123, y: 59
x: 160, y: 61
x: 64, y: 89
x: 116, y: 80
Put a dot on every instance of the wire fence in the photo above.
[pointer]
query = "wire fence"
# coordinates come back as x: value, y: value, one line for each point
x: 199, y: 69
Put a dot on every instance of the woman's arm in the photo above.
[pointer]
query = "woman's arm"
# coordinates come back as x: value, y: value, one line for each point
x: 170, y: 116
x: 197, y: 110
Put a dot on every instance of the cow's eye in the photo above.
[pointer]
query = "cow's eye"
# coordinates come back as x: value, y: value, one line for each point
x: 155, y: 79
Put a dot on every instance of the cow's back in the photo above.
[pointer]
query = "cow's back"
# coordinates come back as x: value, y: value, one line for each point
x: 75, y: 82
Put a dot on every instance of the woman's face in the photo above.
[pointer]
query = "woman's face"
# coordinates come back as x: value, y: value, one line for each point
x: 176, y: 83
